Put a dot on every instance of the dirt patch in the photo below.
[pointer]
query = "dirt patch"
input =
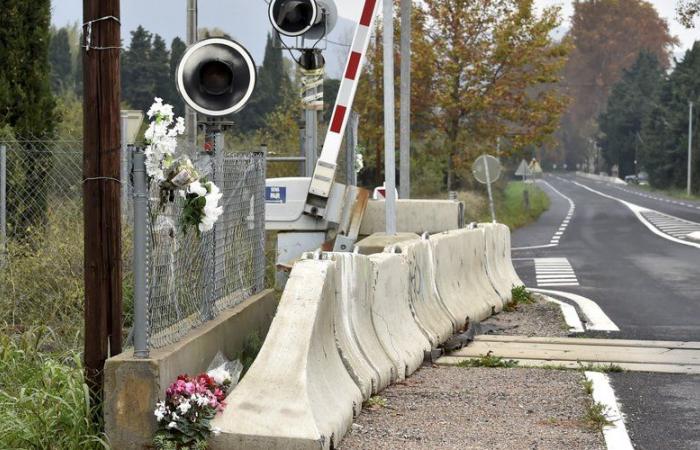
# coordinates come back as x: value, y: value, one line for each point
x: 541, y: 318
x: 477, y: 408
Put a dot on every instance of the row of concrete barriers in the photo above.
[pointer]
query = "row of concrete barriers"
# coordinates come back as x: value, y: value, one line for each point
x: 349, y: 325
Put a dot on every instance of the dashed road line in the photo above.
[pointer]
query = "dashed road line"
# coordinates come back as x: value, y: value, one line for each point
x: 657, y: 198
x: 554, y: 272
x: 554, y: 242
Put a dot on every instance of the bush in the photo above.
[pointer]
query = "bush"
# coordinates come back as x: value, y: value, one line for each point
x: 44, y: 402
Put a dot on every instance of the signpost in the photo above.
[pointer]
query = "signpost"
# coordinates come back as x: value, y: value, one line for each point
x: 487, y: 170
x: 523, y: 170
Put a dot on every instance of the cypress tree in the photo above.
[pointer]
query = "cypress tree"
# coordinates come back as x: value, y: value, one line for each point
x: 272, y: 90
x: 61, y: 61
x: 26, y: 103
x: 629, y: 105
x: 177, y: 51
x: 137, y: 83
x: 159, y: 71
x: 665, y: 132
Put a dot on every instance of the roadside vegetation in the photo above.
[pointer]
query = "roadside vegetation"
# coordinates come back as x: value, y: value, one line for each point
x: 44, y: 403
x: 509, y: 202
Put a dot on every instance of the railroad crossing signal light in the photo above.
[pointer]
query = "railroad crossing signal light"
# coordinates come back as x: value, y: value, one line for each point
x: 216, y: 77
x: 310, y: 19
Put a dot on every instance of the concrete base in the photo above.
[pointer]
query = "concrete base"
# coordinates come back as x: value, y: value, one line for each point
x: 134, y: 385
x: 415, y: 216
x: 377, y: 242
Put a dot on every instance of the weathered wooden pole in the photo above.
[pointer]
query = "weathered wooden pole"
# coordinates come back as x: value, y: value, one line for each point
x: 101, y: 188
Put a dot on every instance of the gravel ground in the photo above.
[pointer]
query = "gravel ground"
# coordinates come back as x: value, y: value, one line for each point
x: 479, y: 408
x: 538, y: 319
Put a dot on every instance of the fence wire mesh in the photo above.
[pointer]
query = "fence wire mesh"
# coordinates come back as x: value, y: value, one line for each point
x: 193, y: 278
x: 41, y: 242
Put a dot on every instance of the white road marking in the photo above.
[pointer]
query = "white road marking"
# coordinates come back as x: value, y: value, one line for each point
x: 616, y: 437
x: 597, y: 320
x: 554, y: 242
x: 570, y: 315
x: 554, y: 272
x: 639, y: 212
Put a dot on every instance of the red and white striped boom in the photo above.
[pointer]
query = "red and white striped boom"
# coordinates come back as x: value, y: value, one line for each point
x: 324, y: 174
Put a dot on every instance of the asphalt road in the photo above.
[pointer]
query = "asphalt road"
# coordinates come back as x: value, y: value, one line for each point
x: 649, y: 286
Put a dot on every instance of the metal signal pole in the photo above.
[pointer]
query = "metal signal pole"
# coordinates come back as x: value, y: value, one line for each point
x: 101, y: 188
x: 405, y: 126
x: 690, y: 148
x: 389, y: 119
x: 192, y: 38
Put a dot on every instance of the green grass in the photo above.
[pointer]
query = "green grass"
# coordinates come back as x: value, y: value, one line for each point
x: 376, y: 402
x: 489, y: 360
x: 595, y: 417
x: 520, y: 296
x: 44, y: 403
x: 605, y: 368
x: 509, y: 203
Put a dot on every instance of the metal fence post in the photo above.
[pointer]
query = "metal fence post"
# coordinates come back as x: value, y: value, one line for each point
x: 259, y: 261
x: 140, y: 255
x: 3, y: 205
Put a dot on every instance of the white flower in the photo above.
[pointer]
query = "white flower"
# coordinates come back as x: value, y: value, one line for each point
x: 171, y: 425
x: 201, y: 400
x: 184, y: 407
x: 220, y: 375
x: 161, y: 136
x: 359, y: 162
x: 175, y: 416
x: 197, y: 188
x: 160, y: 411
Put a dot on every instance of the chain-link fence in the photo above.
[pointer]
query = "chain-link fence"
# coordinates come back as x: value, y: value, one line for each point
x: 191, y: 277
x: 41, y: 230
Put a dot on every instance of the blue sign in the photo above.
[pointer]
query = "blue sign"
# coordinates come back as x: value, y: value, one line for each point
x: 276, y: 194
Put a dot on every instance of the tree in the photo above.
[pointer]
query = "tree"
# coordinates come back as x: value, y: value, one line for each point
x: 158, y: 72
x: 370, y: 94
x: 273, y: 88
x: 495, y: 63
x: 61, y: 61
x: 177, y: 51
x: 665, y: 132
x: 137, y: 84
x: 629, y: 106
x: 607, y: 36
x: 26, y: 102
x: 688, y: 10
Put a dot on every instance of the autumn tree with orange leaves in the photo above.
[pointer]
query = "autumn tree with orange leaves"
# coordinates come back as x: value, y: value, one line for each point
x: 608, y: 36
x: 482, y: 69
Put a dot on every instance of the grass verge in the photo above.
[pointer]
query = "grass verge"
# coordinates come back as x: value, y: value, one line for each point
x: 44, y: 403
x: 489, y: 360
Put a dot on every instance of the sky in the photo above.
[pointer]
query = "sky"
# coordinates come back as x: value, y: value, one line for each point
x: 228, y: 15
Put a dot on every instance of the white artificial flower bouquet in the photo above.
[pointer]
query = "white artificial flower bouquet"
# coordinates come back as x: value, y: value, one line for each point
x: 201, y: 207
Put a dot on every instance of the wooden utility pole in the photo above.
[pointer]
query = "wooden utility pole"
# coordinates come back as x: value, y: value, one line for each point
x: 101, y: 188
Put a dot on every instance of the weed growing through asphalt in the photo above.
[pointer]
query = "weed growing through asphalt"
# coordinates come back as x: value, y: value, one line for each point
x: 520, y: 296
x: 604, y: 368
x: 376, y: 402
x: 489, y: 360
x: 595, y: 417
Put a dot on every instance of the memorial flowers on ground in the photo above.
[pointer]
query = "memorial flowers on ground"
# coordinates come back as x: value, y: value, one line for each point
x: 191, y: 403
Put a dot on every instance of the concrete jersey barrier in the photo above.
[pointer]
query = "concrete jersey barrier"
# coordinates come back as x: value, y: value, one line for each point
x: 495, y: 250
x: 360, y: 348
x: 460, y: 274
x: 431, y: 314
x: 504, y: 252
x: 394, y: 324
x: 297, y: 394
